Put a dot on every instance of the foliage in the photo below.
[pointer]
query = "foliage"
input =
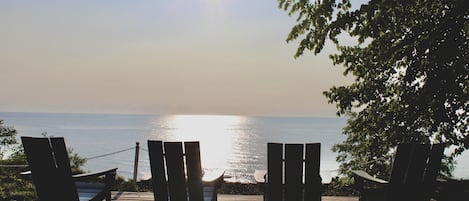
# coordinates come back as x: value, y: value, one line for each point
x: 123, y: 184
x: 76, y: 162
x: 7, y: 138
x: 410, y: 61
x: 12, y: 187
x: 339, y: 187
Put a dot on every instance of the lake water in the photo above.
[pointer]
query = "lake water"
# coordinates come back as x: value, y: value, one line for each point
x: 236, y: 144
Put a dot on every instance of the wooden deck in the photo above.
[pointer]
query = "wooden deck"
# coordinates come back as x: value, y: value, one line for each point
x: 148, y: 196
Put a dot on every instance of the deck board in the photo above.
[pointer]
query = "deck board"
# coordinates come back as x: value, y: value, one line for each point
x: 148, y: 196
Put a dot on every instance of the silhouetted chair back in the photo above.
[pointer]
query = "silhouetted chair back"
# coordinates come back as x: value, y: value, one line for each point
x: 293, y: 172
x: 52, y: 175
x: 179, y: 178
x: 413, y: 176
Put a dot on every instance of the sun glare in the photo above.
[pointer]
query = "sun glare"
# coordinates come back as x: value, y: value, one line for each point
x: 216, y: 134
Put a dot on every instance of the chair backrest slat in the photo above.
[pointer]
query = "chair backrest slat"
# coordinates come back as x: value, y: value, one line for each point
x: 433, y: 167
x: 275, y: 171
x: 194, y: 171
x: 157, y: 166
x: 417, y: 165
x: 313, y: 182
x: 176, y: 171
x: 400, y: 164
x: 434, y: 163
x: 293, y: 172
x: 413, y: 186
x: 42, y: 164
x: 67, y: 185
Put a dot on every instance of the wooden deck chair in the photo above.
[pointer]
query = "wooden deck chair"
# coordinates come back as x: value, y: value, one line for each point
x: 179, y: 178
x: 286, y: 178
x: 413, y: 176
x: 52, y: 176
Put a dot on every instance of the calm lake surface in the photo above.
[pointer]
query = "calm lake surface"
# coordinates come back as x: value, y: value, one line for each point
x: 236, y: 144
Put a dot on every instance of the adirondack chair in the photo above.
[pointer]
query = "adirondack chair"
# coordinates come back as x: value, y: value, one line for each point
x: 285, y: 178
x: 52, y: 176
x: 413, y: 176
x: 176, y: 179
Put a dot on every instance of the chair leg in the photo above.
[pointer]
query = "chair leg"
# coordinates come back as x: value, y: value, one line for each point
x: 108, y: 196
x: 215, y: 196
x: 109, y: 180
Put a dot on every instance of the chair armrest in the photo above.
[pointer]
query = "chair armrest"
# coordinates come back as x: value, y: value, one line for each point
x: 363, y: 181
x: 85, y: 176
x: 260, y: 176
x: 213, y: 177
x: 26, y: 175
x: 80, y: 177
x: 364, y: 176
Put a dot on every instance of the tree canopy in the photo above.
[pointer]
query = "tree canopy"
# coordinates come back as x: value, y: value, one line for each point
x: 410, y: 63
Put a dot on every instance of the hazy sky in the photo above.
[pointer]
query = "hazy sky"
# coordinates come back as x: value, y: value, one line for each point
x: 158, y: 57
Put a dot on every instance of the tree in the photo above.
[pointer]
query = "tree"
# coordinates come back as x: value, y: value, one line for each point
x: 7, y: 138
x: 12, y: 187
x: 410, y: 63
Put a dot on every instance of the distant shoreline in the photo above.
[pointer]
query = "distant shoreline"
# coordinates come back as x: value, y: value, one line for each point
x: 177, y: 114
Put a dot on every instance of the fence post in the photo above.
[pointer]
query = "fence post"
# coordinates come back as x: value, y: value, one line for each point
x: 137, y: 151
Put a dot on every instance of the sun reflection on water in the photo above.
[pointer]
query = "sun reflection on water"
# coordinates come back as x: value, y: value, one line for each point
x: 216, y: 134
